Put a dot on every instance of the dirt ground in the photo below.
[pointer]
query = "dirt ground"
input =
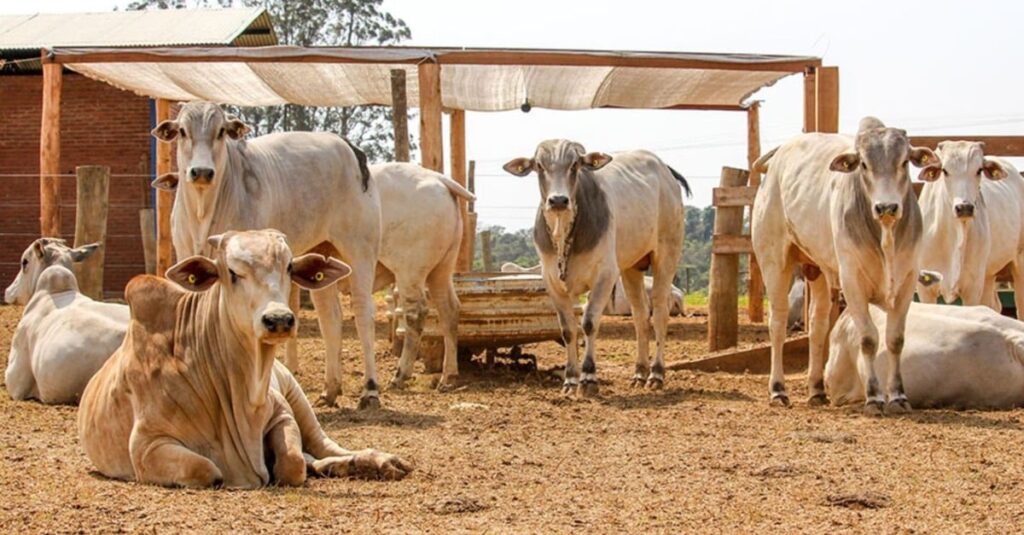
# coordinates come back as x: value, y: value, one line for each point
x: 506, y: 452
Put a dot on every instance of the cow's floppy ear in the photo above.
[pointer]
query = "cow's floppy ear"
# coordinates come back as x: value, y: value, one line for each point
x: 930, y: 173
x: 81, y: 253
x: 235, y: 128
x: 166, y: 182
x: 519, y: 166
x: 166, y: 131
x: 215, y: 241
x: 846, y: 162
x: 922, y: 156
x: 313, y: 271
x: 195, y: 273
x: 993, y: 170
x: 595, y: 160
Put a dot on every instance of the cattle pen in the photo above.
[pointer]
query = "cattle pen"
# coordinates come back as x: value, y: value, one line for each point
x: 453, y: 81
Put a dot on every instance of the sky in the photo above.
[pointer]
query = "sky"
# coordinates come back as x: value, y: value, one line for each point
x: 931, y: 67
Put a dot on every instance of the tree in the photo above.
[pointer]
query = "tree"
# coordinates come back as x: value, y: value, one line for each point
x: 313, y: 23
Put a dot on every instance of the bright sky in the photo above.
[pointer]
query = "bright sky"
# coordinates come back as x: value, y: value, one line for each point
x: 931, y: 67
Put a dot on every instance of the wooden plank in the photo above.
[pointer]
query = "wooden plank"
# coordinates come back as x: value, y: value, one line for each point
x: 693, y: 107
x: 827, y: 82
x: 735, y: 196
x: 810, y: 101
x: 730, y: 244
x: 400, y: 115
x: 994, y: 145
x: 49, y: 152
x: 755, y: 359
x: 164, y: 199
x: 457, y: 164
x: 755, y: 286
x: 93, y: 186
x: 469, y: 223
x: 148, y: 229
x: 431, y: 143
x: 723, y: 323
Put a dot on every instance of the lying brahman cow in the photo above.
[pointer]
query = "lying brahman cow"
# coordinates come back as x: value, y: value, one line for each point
x: 600, y: 216
x: 63, y: 337
x: 618, y: 304
x: 973, y: 228
x: 960, y: 357
x: 315, y: 187
x: 194, y: 396
x: 844, y: 205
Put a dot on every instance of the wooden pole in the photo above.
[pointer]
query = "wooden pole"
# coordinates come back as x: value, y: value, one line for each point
x: 146, y: 218
x: 723, y: 309
x: 469, y: 226
x: 431, y: 144
x: 810, y: 101
x: 164, y: 199
x: 49, y: 150
x: 457, y: 133
x: 400, y: 115
x: 755, y: 285
x: 485, y: 250
x: 91, y: 207
x: 827, y: 99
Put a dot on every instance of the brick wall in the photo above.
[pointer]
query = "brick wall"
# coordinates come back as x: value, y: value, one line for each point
x: 100, y: 125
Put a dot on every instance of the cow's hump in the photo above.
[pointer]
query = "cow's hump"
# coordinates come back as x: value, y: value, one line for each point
x: 153, y: 302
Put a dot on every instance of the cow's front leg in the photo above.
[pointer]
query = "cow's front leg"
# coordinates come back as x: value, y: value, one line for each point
x: 895, y: 327
x: 165, y: 461
x: 414, y: 310
x: 564, y: 305
x: 633, y: 286
x: 599, y: 296
x: 284, y: 442
x: 857, y: 308
x: 365, y: 464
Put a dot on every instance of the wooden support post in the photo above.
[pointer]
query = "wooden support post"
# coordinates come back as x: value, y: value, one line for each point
x: 723, y: 325
x: 755, y: 285
x: 469, y: 224
x: 92, y: 186
x: 827, y: 99
x: 431, y: 143
x: 146, y: 218
x: 485, y: 250
x: 49, y: 150
x: 810, y: 101
x: 457, y: 133
x: 164, y: 199
x: 400, y: 115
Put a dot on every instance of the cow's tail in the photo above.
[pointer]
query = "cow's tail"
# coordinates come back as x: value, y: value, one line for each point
x: 364, y: 168
x: 456, y: 189
x: 761, y: 164
x: 682, y: 182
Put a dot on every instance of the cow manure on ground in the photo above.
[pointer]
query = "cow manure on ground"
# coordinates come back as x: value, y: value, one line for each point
x: 859, y: 500
x: 456, y: 505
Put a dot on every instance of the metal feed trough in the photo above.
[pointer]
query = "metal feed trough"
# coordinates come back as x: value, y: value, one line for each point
x: 499, y: 310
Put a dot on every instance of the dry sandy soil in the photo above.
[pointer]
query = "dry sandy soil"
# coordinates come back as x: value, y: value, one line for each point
x: 506, y: 452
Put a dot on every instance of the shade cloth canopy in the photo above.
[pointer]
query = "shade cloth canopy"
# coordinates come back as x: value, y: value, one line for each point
x: 471, y: 79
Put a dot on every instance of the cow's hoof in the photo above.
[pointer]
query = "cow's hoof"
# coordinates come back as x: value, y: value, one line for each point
x: 655, y: 383
x: 818, y: 400
x: 397, y: 383
x: 369, y: 403
x: 447, y: 384
x: 569, y: 389
x: 326, y: 400
x: 588, y: 389
x: 638, y: 381
x: 873, y: 408
x: 898, y: 406
x: 779, y: 399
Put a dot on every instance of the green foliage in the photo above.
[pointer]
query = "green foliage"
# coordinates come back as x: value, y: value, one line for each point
x: 312, y: 23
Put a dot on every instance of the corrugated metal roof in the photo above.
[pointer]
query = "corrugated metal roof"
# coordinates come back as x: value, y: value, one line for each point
x: 170, y: 27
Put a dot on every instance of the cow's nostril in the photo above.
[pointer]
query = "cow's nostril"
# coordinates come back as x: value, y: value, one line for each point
x: 269, y: 322
x: 201, y: 173
x: 964, y: 210
x: 886, y: 209
x: 558, y: 201
x: 289, y: 320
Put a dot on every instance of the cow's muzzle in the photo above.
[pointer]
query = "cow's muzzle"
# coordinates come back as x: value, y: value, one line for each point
x: 964, y: 210
x: 558, y: 202
x: 886, y: 210
x: 279, y: 323
x: 201, y: 174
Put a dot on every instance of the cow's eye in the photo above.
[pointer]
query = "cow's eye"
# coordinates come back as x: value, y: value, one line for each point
x: 863, y: 166
x: 289, y: 267
x: 944, y: 172
x: 24, y: 263
x: 234, y: 276
x: 220, y: 134
x: 979, y: 172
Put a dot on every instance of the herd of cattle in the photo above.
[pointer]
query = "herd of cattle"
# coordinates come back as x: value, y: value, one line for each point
x: 181, y: 386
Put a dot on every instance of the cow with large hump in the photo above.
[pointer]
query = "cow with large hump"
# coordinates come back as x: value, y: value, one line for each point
x: 962, y: 357
x: 421, y: 231
x: 194, y: 396
x: 973, y: 210
x: 844, y: 207
x: 63, y: 336
x: 600, y: 217
x: 314, y: 187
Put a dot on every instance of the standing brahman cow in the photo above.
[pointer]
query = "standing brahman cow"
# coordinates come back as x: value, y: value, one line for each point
x: 63, y: 337
x: 973, y: 228
x: 194, y: 396
x: 845, y: 205
x: 314, y: 187
x: 600, y: 216
x: 961, y: 357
